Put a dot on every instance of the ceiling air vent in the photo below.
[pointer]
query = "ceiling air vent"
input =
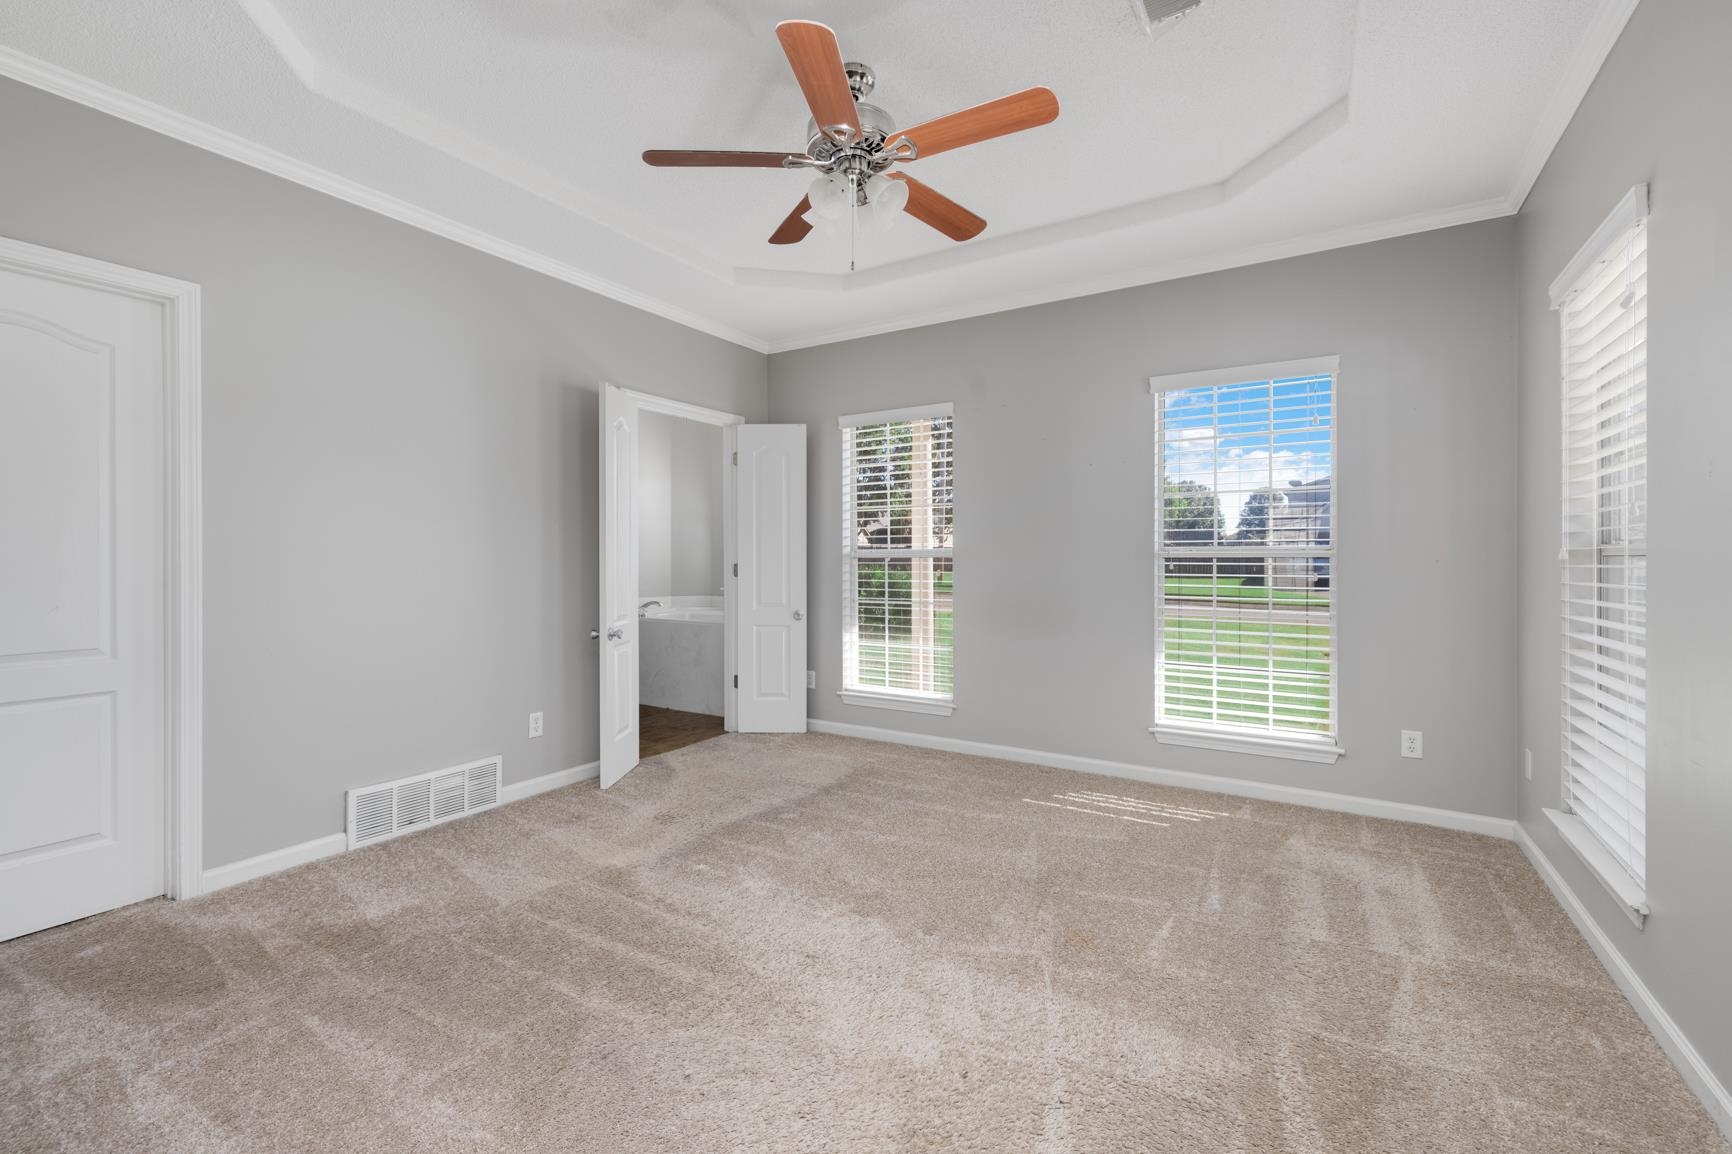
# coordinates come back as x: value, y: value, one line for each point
x: 1156, y: 12
x: 383, y: 811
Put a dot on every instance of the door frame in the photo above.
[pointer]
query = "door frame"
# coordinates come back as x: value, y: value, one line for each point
x: 183, y: 544
x: 650, y: 403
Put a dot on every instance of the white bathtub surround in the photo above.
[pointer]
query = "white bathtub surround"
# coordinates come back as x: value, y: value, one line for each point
x: 679, y: 603
x: 681, y: 647
x: 698, y: 614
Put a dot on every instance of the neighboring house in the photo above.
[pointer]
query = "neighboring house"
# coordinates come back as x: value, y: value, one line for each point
x: 1299, y: 517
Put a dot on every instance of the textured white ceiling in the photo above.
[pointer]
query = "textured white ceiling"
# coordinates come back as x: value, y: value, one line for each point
x: 1250, y: 128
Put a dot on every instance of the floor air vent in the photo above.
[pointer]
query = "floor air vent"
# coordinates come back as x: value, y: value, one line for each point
x: 383, y: 811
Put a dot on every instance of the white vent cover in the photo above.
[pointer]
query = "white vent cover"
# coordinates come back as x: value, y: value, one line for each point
x: 378, y: 812
x: 1155, y: 12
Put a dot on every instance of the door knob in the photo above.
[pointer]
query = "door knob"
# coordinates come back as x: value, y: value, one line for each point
x: 614, y: 635
x: 594, y: 633
x: 799, y: 616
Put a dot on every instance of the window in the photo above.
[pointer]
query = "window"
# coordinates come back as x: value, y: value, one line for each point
x: 898, y: 543
x: 1245, y: 541
x: 1602, y: 301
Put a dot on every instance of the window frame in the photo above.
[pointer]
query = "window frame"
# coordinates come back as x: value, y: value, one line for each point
x: 1324, y: 747
x: 874, y: 696
x: 1603, y: 861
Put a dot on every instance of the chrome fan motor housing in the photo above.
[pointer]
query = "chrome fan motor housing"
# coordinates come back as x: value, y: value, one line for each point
x: 876, y: 127
x: 861, y: 79
x: 835, y: 151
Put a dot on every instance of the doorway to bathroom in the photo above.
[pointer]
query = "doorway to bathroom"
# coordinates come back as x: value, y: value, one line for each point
x: 681, y: 582
x: 667, y: 606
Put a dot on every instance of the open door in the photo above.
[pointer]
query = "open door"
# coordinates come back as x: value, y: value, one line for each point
x: 770, y: 590
x: 619, y: 561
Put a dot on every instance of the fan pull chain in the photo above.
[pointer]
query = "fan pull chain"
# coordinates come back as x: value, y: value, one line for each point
x: 853, y: 218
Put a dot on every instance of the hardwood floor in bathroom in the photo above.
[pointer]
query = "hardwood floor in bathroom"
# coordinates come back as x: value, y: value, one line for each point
x: 660, y: 730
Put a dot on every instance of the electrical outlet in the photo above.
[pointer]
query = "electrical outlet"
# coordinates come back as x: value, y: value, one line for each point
x: 1528, y: 764
x: 1412, y: 743
x: 535, y: 725
x: 811, y: 679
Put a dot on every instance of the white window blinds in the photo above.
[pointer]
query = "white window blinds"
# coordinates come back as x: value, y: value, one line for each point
x: 1604, y: 558
x: 898, y: 544
x: 1246, y: 537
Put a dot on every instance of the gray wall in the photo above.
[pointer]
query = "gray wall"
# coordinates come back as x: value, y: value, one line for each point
x: 400, y: 467
x: 1055, y: 505
x: 679, y: 507
x: 655, y: 518
x: 1657, y: 113
x: 695, y: 549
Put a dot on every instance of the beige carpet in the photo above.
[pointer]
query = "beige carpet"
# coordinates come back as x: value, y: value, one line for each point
x: 816, y: 944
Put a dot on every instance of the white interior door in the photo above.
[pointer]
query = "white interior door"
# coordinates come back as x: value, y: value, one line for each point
x: 770, y: 521
x: 619, y: 561
x: 82, y: 502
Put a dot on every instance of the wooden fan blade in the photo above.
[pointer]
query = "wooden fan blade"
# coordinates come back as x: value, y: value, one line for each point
x: 938, y: 210
x: 794, y: 229
x: 678, y: 158
x: 817, y: 64
x: 1029, y: 108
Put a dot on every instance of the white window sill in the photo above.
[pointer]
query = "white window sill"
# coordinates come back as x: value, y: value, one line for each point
x: 907, y: 702
x: 1600, y: 862
x: 1292, y: 748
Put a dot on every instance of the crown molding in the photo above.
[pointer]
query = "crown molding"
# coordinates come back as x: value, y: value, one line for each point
x: 322, y: 79
x: 389, y: 111
x: 1174, y: 270
x: 1572, y: 89
x: 92, y: 94
x: 1567, y: 95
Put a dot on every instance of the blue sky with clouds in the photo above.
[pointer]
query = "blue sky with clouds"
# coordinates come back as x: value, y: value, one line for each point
x: 1237, y: 439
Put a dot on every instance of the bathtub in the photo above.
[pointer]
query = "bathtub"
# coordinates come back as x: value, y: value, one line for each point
x: 699, y: 613
x: 680, y: 654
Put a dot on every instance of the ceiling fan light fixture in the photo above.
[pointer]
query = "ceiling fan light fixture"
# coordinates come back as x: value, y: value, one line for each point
x: 830, y: 196
x: 886, y: 196
x: 885, y: 200
x: 851, y: 144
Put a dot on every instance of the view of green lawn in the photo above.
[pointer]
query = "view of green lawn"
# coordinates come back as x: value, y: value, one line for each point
x: 1235, y: 589
x: 1258, y: 672
x: 891, y: 662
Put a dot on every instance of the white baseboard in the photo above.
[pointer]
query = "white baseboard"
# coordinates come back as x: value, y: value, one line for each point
x: 334, y: 843
x: 518, y: 790
x: 1501, y: 827
x: 277, y: 860
x: 1684, y: 1056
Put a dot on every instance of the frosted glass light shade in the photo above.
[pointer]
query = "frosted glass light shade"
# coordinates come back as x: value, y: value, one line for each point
x: 885, y: 200
x: 829, y: 196
x: 887, y: 197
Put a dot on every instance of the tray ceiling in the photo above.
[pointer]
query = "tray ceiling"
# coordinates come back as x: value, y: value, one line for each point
x: 1249, y: 129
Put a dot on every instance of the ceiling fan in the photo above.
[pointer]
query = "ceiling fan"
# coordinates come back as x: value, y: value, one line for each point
x: 852, y: 145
